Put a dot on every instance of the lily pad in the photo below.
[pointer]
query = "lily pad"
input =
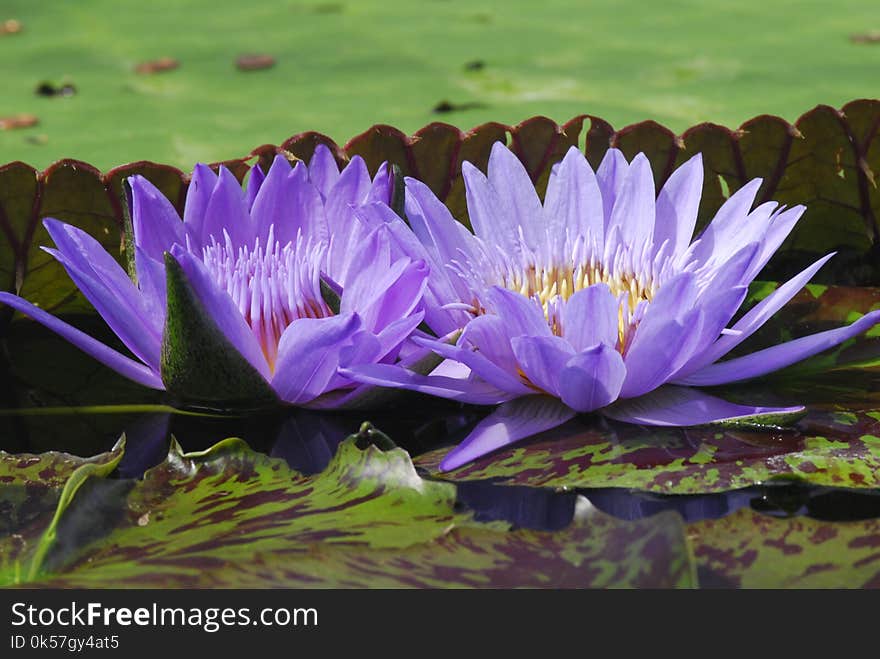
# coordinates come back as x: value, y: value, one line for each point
x: 232, y: 517
x: 839, y: 449
x: 750, y: 550
x: 31, y: 489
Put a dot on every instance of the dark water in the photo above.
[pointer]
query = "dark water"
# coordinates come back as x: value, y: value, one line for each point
x: 308, y: 440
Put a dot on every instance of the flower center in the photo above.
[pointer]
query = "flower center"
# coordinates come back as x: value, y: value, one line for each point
x: 552, y: 275
x: 272, y: 286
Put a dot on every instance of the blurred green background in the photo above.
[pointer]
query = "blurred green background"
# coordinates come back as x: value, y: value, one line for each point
x: 343, y: 66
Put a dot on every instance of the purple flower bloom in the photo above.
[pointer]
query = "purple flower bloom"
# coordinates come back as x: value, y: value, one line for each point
x: 595, y: 299
x: 280, y: 283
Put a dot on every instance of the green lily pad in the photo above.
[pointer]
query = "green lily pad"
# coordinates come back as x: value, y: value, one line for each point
x: 232, y: 517
x: 596, y: 551
x: 31, y: 489
x: 751, y: 550
x: 592, y: 454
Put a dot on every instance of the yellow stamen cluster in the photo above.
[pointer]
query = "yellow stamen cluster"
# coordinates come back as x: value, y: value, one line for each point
x: 555, y: 285
x: 563, y: 282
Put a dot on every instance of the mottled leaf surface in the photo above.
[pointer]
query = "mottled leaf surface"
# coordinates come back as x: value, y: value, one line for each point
x: 827, y: 448
x: 750, y: 550
x: 235, y: 518
x: 31, y: 487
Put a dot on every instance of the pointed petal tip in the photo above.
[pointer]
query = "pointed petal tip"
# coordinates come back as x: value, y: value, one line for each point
x: 279, y: 161
x: 52, y: 224
x: 469, y: 169
x: 509, y: 423
x: 453, y: 460
x: 573, y: 150
x: 322, y: 149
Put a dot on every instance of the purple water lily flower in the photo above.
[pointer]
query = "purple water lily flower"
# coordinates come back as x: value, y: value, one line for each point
x: 262, y: 292
x: 595, y: 299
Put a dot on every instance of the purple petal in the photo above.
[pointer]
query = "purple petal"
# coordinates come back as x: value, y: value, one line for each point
x: 574, y: 201
x: 590, y: 317
x: 464, y: 391
x: 651, y: 361
x: 364, y: 395
x: 323, y: 171
x: 395, y: 333
x: 222, y: 310
x: 309, y: 355
x: 151, y: 282
x: 434, y: 225
x: 352, y: 188
x: 104, y: 283
x: 755, y: 317
x: 120, y: 363
x: 592, y: 379
x: 198, y: 194
x: 374, y: 255
x: 683, y: 406
x: 542, y: 360
x: 227, y: 211
x: 511, y: 422
x: 722, y: 232
x: 490, y: 216
x: 382, y: 187
x: 678, y: 204
x: 779, y: 356
x: 674, y: 299
x: 781, y: 225
x: 305, y: 209
x: 490, y: 335
x: 524, y: 315
x: 400, y: 298
x: 363, y: 348
x: 381, y: 292
x: 717, y: 312
x: 610, y: 176
x: 732, y: 272
x: 480, y: 365
x: 156, y: 223
x: 512, y: 183
x: 441, y: 289
x: 634, y: 208
x: 272, y: 204
x: 255, y: 182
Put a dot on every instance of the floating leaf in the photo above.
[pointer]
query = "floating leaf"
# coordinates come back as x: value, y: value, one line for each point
x: 232, y: 517
x: 751, y: 550
x: 596, y: 551
x: 31, y: 487
x: 591, y: 453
